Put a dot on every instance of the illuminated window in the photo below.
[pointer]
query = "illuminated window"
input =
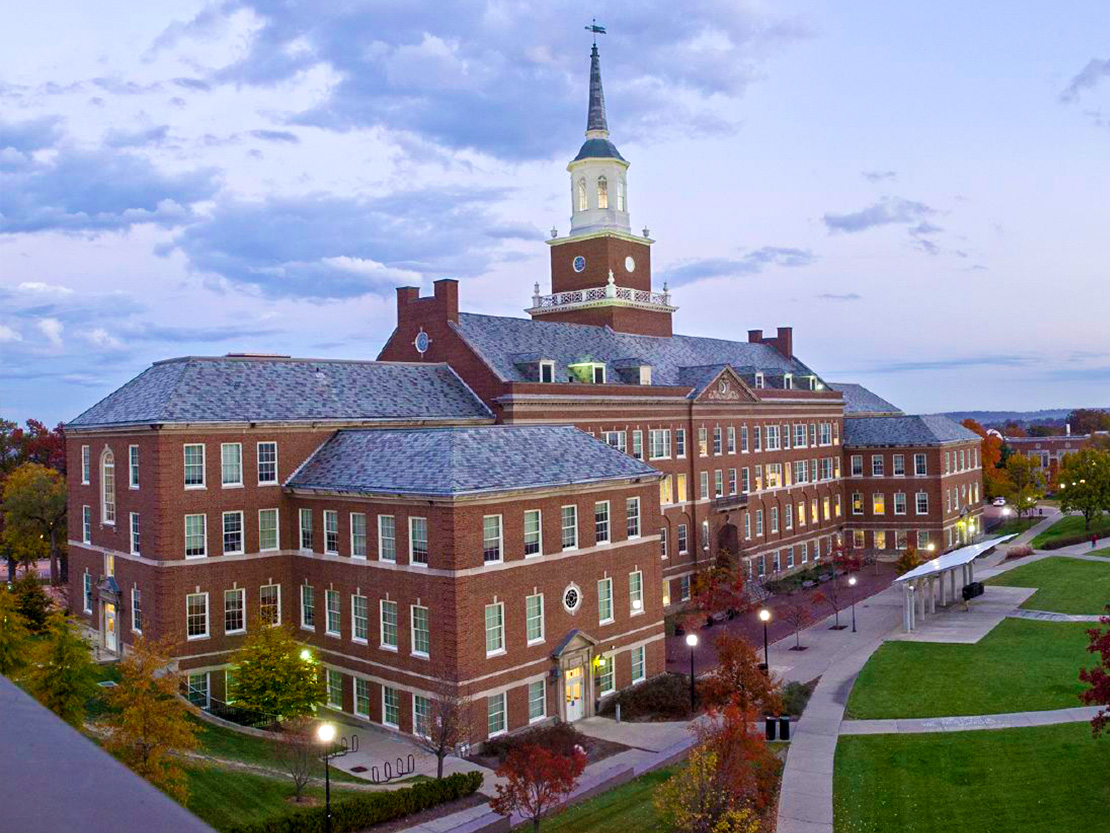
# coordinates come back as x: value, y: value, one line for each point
x: 602, y: 192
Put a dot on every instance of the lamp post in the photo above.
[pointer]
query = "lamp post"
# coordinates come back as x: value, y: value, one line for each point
x: 851, y: 584
x: 765, y: 617
x: 325, y: 732
x: 692, y: 641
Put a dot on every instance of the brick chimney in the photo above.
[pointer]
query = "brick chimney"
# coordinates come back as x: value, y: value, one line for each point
x: 784, y: 341
x: 447, y: 294
x: 755, y: 336
x: 444, y: 305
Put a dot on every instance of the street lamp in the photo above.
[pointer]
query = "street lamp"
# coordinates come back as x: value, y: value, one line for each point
x: 325, y: 732
x: 852, y: 583
x: 765, y: 617
x: 692, y: 641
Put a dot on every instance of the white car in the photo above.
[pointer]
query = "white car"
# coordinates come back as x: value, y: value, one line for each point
x: 1000, y: 501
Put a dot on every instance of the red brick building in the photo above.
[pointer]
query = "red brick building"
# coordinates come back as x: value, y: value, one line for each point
x: 371, y: 503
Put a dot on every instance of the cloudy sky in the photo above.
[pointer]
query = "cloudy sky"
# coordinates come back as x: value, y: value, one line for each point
x: 920, y: 191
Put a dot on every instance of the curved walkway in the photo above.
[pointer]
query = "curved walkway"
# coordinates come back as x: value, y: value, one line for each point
x: 1009, y: 720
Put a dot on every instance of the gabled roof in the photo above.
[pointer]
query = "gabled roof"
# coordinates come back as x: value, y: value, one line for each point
x: 904, y: 431
x: 256, y: 389
x: 675, y: 360
x: 458, y: 461
x: 859, y: 401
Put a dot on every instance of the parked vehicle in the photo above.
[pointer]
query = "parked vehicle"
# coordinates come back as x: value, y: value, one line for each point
x: 999, y: 501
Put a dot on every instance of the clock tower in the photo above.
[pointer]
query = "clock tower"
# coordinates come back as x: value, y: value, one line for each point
x: 601, y: 272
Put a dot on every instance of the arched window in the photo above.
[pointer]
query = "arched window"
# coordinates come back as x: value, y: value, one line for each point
x: 108, y: 487
x: 582, y: 195
x: 620, y: 195
x: 602, y: 192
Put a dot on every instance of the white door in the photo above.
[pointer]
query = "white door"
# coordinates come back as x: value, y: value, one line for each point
x: 575, y: 702
x: 110, y: 627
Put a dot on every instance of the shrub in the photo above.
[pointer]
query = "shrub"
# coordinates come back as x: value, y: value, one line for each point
x: 795, y: 696
x: 560, y: 738
x: 363, y: 811
x: 1020, y: 551
x: 1074, y: 538
x: 666, y: 696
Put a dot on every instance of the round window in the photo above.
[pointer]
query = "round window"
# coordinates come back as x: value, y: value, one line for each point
x: 630, y: 264
x: 421, y: 342
x: 579, y: 263
x: 572, y: 598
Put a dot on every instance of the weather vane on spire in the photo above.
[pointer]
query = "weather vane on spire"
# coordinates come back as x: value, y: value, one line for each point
x: 597, y: 30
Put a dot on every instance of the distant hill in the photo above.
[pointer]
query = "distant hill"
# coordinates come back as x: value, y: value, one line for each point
x: 1047, y: 416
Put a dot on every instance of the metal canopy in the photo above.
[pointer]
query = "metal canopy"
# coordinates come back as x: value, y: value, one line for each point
x: 951, y: 560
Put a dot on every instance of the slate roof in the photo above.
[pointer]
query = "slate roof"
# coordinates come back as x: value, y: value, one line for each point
x: 242, y: 389
x: 904, y: 430
x: 459, y: 461
x: 598, y: 149
x: 859, y: 401
x: 675, y: 361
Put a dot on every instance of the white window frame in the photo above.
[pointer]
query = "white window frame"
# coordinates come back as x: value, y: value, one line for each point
x: 301, y: 514
x: 528, y: 618
x: 413, y: 631
x: 499, y: 649
x: 634, y: 594
x: 354, y: 549
x: 923, y: 469
x: 607, y: 583
x: 242, y: 594
x: 207, y: 618
x: 503, y: 711
x: 86, y: 464
x: 360, y: 692
x: 258, y: 462
x: 641, y: 652
x: 332, y: 675
x: 539, y: 533
x: 304, y: 624
x: 383, y: 521
x: 365, y: 639
x: 224, y: 448
x: 917, y: 503
x: 86, y: 598
x: 385, y: 646
x: 542, y: 699
x: 203, y: 465
x: 332, y: 514
x: 632, y: 532
x: 397, y: 705
x: 134, y: 531
x: 277, y: 530
x: 550, y: 368
x: 204, y: 534
x: 277, y: 619
x: 563, y: 526
x: 603, y: 526
x: 329, y: 593
x: 500, y: 539
x: 86, y: 524
x: 136, y: 594
x: 109, y: 503
x: 412, y: 540
x: 132, y: 467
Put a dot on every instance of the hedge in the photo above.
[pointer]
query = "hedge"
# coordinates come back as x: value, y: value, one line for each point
x: 1074, y: 538
x: 360, y: 812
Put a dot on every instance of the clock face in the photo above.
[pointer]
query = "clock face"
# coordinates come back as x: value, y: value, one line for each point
x: 421, y: 342
x: 579, y: 263
x: 572, y: 597
x: 630, y: 264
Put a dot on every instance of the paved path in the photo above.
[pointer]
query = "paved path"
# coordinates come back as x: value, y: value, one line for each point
x: 1049, y: 616
x: 1011, y: 720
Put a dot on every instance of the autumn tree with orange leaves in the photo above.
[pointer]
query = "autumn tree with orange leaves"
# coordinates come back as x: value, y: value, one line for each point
x: 537, y: 780
x: 738, y: 680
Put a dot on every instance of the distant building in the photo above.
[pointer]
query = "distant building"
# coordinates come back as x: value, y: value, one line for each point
x: 1049, y: 452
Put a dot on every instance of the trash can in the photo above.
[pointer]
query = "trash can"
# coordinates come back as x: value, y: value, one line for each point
x: 784, y: 727
x: 770, y: 727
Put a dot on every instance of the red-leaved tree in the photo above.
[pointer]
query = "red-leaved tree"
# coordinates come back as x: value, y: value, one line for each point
x: 738, y: 680
x: 796, y: 613
x: 1098, y: 677
x: 748, y: 768
x: 537, y: 780
x: 718, y: 589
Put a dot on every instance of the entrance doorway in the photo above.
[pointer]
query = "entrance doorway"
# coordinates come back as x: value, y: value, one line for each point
x: 110, y: 627
x: 575, y: 702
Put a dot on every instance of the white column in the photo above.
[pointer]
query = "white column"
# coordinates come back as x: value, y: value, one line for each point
x: 952, y: 579
x: 970, y: 572
x: 907, y: 623
x: 943, y: 591
x: 921, y: 597
x: 932, y: 594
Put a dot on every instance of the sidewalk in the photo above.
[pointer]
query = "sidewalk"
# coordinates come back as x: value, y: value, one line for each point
x: 1009, y: 720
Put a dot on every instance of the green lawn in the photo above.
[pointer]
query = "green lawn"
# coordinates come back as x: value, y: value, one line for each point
x: 1070, y: 525
x: 1066, y: 585
x: 1014, y: 526
x: 225, y: 797
x: 621, y: 810
x: 1049, y: 779
x: 1021, y: 665
x: 1103, y: 553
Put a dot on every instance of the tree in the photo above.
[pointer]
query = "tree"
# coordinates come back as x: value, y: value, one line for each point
x: 990, y: 457
x: 796, y: 613
x: 749, y: 768
x: 274, y: 674
x: 537, y: 779
x: 738, y: 680
x: 13, y: 635
x: 150, y: 728
x: 1026, y: 482
x: 35, y: 513
x: 297, y: 750
x: 698, y: 799
x: 32, y: 602
x: 1098, y: 677
x: 447, y: 724
x: 1085, y: 483
x: 717, y: 589
x: 909, y: 559
x: 1088, y: 420
x: 62, y: 675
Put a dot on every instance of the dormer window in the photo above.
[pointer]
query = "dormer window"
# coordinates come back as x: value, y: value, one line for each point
x: 788, y: 381
x: 759, y: 380
x: 587, y: 372
x: 813, y: 384
x: 547, y: 372
x: 602, y: 192
x: 599, y: 374
x: 582, y: 205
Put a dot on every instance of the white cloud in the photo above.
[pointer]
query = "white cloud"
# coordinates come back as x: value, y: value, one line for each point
x: 373, y: 269
x: 44, y: 288
x: 52, y: 328
x: 9, y: 334
x: 99, y: 337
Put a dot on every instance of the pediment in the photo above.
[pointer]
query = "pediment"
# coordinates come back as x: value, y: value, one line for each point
x: 726, y: 386
x: 574, y: 640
